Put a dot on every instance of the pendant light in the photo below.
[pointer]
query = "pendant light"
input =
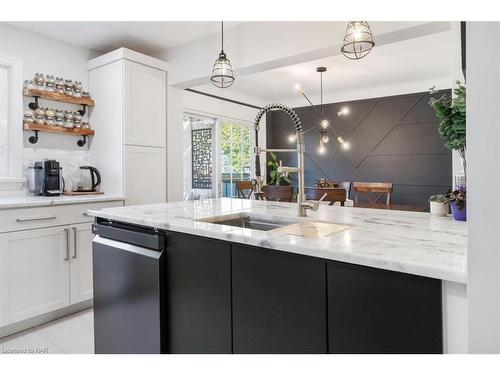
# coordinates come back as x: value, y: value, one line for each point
x: 358, y: 40
x: 222, y: 72
x: 324, y: 124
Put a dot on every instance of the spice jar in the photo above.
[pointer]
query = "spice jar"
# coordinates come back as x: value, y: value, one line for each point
x: 59, y: 85
x: 28, y: 117
x: 68, y: 87
x: 49, y: 116
x: 85, y: 94
x: 59, y: 117
x: 39, y: 81
x: 40, y: 116
x: 50, y: 83
x: 68, y: 120
x: 77, y: 119
x: 78, y: 89
x: 85, y: 125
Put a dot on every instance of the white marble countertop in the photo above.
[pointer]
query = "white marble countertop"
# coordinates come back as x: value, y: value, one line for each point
x: 410, y: 242
x: 23, y: 201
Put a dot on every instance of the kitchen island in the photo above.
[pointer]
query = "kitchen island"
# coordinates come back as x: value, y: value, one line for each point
x: 377, y: 281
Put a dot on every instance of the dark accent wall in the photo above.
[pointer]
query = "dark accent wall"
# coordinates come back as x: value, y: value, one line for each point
x: 393, y: 139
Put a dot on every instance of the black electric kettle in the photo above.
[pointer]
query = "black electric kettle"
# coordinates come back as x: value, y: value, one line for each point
x: 87, y: 184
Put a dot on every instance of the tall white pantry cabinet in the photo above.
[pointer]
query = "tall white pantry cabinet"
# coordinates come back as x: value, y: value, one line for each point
x: 130, y: 118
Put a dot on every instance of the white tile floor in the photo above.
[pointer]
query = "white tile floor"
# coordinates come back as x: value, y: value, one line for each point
x: 73, y: 334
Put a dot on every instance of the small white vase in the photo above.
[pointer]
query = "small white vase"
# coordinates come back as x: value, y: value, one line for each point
x: 439, y: 209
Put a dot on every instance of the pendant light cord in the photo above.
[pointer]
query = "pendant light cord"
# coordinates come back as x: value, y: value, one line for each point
x: 222, y: 26
x: 321, y: 94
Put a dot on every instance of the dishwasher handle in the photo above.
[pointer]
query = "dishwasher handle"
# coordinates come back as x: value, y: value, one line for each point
x: 131, y: 235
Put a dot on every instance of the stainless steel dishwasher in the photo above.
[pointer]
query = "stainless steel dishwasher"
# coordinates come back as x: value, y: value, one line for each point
x: 128, y: 267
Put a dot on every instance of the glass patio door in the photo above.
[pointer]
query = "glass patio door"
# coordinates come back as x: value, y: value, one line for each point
x: 236, y: 156
x: 199, y: 155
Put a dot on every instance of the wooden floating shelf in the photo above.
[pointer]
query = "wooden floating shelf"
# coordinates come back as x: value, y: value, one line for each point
x: 43, y: 94
x: 58, y: 129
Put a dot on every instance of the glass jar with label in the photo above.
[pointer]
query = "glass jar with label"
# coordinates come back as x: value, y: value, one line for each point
x: 59, y: 85
x: 68, y: 87
x: 39, y: 81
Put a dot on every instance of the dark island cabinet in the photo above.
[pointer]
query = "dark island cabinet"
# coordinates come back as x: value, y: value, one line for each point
x: 198, y: 295
x: 279, y: 302
x: 377, y: 311
x: 223, y: 297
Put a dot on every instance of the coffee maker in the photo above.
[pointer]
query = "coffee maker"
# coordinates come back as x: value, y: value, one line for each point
x: 45, y: 178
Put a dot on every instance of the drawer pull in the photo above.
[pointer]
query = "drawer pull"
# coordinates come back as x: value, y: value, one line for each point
x: 23, y: 219
x: 66, y: 230
x: 75, y: 238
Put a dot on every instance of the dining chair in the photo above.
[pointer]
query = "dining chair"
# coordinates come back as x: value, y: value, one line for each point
x: 278, y: 193
x: 332, y: 195
x: 244, y: 189
x: 324, y: 183
x: 373, y: 193
x: 343, y: 185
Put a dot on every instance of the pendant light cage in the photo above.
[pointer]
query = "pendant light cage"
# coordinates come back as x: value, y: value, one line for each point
x: 222, y: 72
x: 358, y: 40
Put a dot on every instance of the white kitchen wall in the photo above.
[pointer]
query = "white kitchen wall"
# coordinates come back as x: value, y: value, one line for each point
x: 49, y: 56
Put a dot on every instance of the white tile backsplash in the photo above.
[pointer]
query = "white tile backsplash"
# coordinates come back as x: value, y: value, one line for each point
x: 70, y: 161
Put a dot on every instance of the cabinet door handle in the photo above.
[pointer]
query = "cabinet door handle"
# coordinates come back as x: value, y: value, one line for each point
x: 23, y: 219
x: 66, y: 230
x: 75, y: 239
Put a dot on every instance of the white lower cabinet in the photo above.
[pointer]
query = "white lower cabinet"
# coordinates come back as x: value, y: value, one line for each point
x: 34, y: 272
x: 81, y: 286
x: 42, y: 270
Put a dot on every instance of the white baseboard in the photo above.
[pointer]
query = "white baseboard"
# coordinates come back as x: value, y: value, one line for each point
x: 44, y: 318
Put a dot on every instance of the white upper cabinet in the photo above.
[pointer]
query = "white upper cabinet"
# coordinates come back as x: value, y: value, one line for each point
x: 130, y: 119
x: 144, y: 105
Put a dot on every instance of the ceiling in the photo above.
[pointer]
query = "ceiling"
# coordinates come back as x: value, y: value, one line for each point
x: 419, y: 59
x: 145, y: 37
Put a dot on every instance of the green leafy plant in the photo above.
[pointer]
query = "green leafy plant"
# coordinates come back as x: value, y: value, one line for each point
x: 451, y: 114
x: 276, y: 178
x: 459, y: 196
x: 438, y: 198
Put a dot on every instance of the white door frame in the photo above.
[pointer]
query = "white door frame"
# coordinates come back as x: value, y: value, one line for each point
x: 11, y: 136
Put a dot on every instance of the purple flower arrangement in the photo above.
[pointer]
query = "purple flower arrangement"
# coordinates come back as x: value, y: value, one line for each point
x: 458, y: 200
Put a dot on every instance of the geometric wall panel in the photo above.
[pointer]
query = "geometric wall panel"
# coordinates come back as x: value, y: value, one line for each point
x: 393, y: 139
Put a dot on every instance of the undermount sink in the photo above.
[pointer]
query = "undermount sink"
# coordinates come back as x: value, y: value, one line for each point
x: 249, y: 221
x: 299, y: 227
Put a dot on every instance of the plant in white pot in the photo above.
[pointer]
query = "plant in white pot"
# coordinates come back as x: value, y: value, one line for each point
x: 439, y: 205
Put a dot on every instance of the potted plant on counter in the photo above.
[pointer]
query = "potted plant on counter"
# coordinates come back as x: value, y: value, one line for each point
x: 458, y: 203
x: 439, y: 205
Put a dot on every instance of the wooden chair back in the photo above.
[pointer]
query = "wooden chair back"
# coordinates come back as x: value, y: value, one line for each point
x: 244, y: 189
x: 374, y: 193
x: 278, y: 193
x: 343, y: 185
x: 333, y: 195
x: 324, y: 183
